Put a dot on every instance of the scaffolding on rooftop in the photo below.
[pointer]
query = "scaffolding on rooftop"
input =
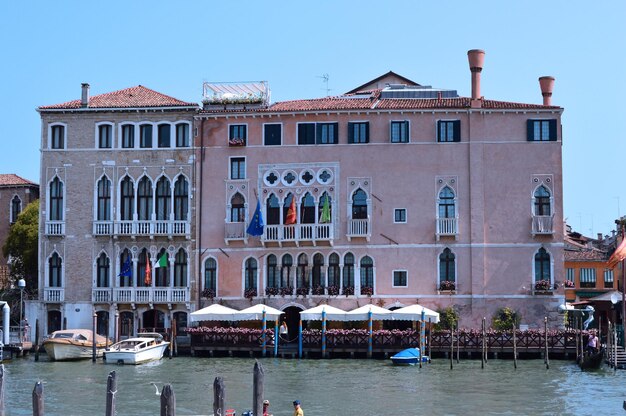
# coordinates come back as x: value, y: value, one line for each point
x: 236, y: 93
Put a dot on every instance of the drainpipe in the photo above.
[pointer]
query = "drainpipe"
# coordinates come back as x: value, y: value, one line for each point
x: 199, y: 213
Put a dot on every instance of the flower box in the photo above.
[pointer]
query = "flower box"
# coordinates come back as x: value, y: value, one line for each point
x: 250, y: 293
x: 271, y: 291
x: 208, y: 294
x: 333, y: 290
x: 348, y: 291
x: 367, y: 291
x: 318, y: 290
x: 237, y: 142
x: 447, y: 285
x: 302, y: 291
x: 285, y: 291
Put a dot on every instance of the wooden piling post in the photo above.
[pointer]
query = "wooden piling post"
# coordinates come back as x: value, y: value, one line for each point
x: 482, y: 356
x: 219, y: 394
x: 451, y: 345
x: 545, y: 331
x: 2, y: 390
x: 111, y: 390
x: 93, y: 348
x: 168, y: 401
x: 258, y: 389
x: 614, y: 348
x: 458, y: 343
x: 429, y: 340
x: 38, y: 399
x: 36, y: 339
x: 514, y: 348
x: 576, y: 333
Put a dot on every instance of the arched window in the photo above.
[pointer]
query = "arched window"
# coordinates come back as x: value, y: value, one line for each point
x: 104, y: 199
x: 367, y: 272
x: 302, y: 274
x: 237, y: 210
x: 272, y: 207
x: 285, y: 271
x: 56, y: 200
x: 542, y: 201
x: 161, y: 278
x: 251, y: 274
x: 180, y: 269
x: 126, y: 269
x: 16, y: 208
x: 318, y: 272
x: 102, y: 274
x: 181, y: 199
x: 163, y: 199
x: 272, y: 272
x: 359, y: 205
x: 308, y: 209
x: 447, y: 270
x: 127, y: 199
x: 144, y: 199
x: 333, y: 270
x: 210, y: 275
x: 55, y: 271
x: 286, y: 206
x: 325, y: 216
x: 542, y: 265
x: 144, y: 277
x: 348, y: 270
x: 446, y: 203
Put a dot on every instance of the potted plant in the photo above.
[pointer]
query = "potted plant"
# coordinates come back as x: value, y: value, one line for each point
x: 208, y: 294
x: 568, y: 283
x: 447, y: 285
x: 250, y: 293
x: 543, y: 285
x: 333, y: 290
x: 367, y: 290
x: 271, y: 291
x: 302, y: 291
x: 348, y: 291
x: 318, y: 290
x: 286, y: 291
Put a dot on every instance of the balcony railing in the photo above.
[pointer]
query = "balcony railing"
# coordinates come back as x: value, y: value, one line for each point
x: 55, y: 227
x: 359, y: 228
x: 234, y: 231
x: 543, y: 224
x: 146, y: 294
x: 298, y: 233
x: 142, y: 228
x: 447, y: 227
x: 53, y: 294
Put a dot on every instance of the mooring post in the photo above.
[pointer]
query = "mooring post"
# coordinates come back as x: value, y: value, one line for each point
x: 258, y: 389
x: 263, y: 335
x: 2, y: 390
x: 614, y: 347
x: 451, y: 345
x: 300, y: 339
x: 38, y: 399
x: 168, y: 401
x: 111, y: 390
x: 514, y: 347
x: 324, y: 335
x: 93, y: 337
x: 458, y: 342
x: 576, y: 333
x: 219, y: 394
x: 429, y: 339
x: 276, y: 338
x: 36, y: 339
x: 482, y: 357
x: 545, y: 331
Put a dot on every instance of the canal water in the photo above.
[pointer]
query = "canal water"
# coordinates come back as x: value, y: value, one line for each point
x: 332, y: 387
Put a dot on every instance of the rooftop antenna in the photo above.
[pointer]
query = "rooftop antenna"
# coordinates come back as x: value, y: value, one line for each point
x: 325, y: 78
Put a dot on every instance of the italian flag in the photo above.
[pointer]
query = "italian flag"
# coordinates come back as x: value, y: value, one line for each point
x: 161, y: 262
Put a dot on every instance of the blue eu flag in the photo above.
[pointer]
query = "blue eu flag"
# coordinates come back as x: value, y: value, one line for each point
x: 256, y: 225
x: 127, y: 269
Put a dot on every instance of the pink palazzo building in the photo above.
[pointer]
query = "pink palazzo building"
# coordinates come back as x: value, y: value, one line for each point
x: 393, y: 193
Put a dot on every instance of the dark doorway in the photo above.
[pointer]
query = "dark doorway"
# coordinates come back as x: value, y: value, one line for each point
x: 153, y: 321
x: 54, y: 321
x: 126, y: 324
x: 292, y: 317
x: 102, y: 323
x: 181, y: 322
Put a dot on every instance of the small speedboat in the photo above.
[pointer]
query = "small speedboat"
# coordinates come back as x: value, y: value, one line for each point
x: 148, y: 346
x: 410, y: 356
x: 74, y: 344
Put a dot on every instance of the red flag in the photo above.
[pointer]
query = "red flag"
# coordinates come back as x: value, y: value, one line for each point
x: 618, y: 255
x: 291, y: 212
x: 148, y: 279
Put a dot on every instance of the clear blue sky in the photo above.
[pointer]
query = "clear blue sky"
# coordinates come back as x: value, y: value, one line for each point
x: 49, y: 47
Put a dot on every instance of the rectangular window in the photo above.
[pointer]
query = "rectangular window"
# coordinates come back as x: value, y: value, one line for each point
x: 145, y: 133
x: 358, y: 132
x: 399, y: 132
x: 182, y: 135
x: 164, y: 135
x: 306, y: 133
x: 541, y: 130
x: 608, y: 279
x: 237, y: 135
x: 58, y: 137
x: 327, y: 133
x: 570, y: 275
x: 448, y: 131
x: 587, y: 277
x: 128, y: 136
x: 104, y: 136
x: 399, y: 278
x: 237, y: 168
x: 399, y: 215
x: 272, y: 134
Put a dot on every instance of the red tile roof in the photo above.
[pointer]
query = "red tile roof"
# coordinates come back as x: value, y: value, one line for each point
x: 134, y: 97
x: 585, y: 255
x: 11, y: 179
x: 370, y: 100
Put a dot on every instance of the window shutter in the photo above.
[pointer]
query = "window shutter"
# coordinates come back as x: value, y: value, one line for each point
x: 350, y: 132
x: 318, y: 133
x: 439, y: 130
x: 552, y: 130
x: 457, y: 131
x: 530, y: 128
x: 367, y: 132
x: 301, y: 133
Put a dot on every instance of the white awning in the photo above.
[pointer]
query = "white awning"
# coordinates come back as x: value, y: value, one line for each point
x: 255, y: 313
x: 315, y: 314
x: 414, y: 313
x: 215, y: 312
x: 362, y: 313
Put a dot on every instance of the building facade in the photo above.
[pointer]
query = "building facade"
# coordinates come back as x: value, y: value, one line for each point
x: 15, y: 194
x: 117, y: 218
x: 393, y: 193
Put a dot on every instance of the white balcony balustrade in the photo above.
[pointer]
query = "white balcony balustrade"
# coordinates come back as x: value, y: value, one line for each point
x: 142, y: 228
x: 54, y: 295
x: 447, y: 227
x: 359, y: 228
x: 147, y: 294
x: 298, y: 233
x: 543, y: 224
x: 234, y: 231
x: 55, y: 227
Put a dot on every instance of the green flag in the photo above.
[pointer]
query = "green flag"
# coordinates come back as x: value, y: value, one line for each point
x: 325, y: 217
x: 162, y: 262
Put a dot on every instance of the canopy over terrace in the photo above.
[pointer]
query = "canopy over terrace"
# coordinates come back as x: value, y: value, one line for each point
x: 414, y: 313
x: 215, y: 312
x: 255, y: 313
x: 331, y: 313
x: 362, y: 313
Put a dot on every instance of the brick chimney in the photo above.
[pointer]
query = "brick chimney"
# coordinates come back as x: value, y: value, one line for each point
x: 84, y: 98
x: 547, y: 85
x: 476, y: 58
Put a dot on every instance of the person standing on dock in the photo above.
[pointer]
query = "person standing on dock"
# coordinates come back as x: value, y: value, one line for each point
x: 297, y: 410
x: 592, y: 344
x: 284, y: 332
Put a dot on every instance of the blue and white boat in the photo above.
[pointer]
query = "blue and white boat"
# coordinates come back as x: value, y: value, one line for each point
x: 410, y: 356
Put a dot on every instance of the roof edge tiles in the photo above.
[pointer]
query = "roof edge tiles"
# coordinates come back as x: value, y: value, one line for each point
x: 11, y: 179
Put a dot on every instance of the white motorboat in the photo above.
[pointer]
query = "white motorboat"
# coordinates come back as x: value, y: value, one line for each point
x: 74, y: 344
x: 146, y: 347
